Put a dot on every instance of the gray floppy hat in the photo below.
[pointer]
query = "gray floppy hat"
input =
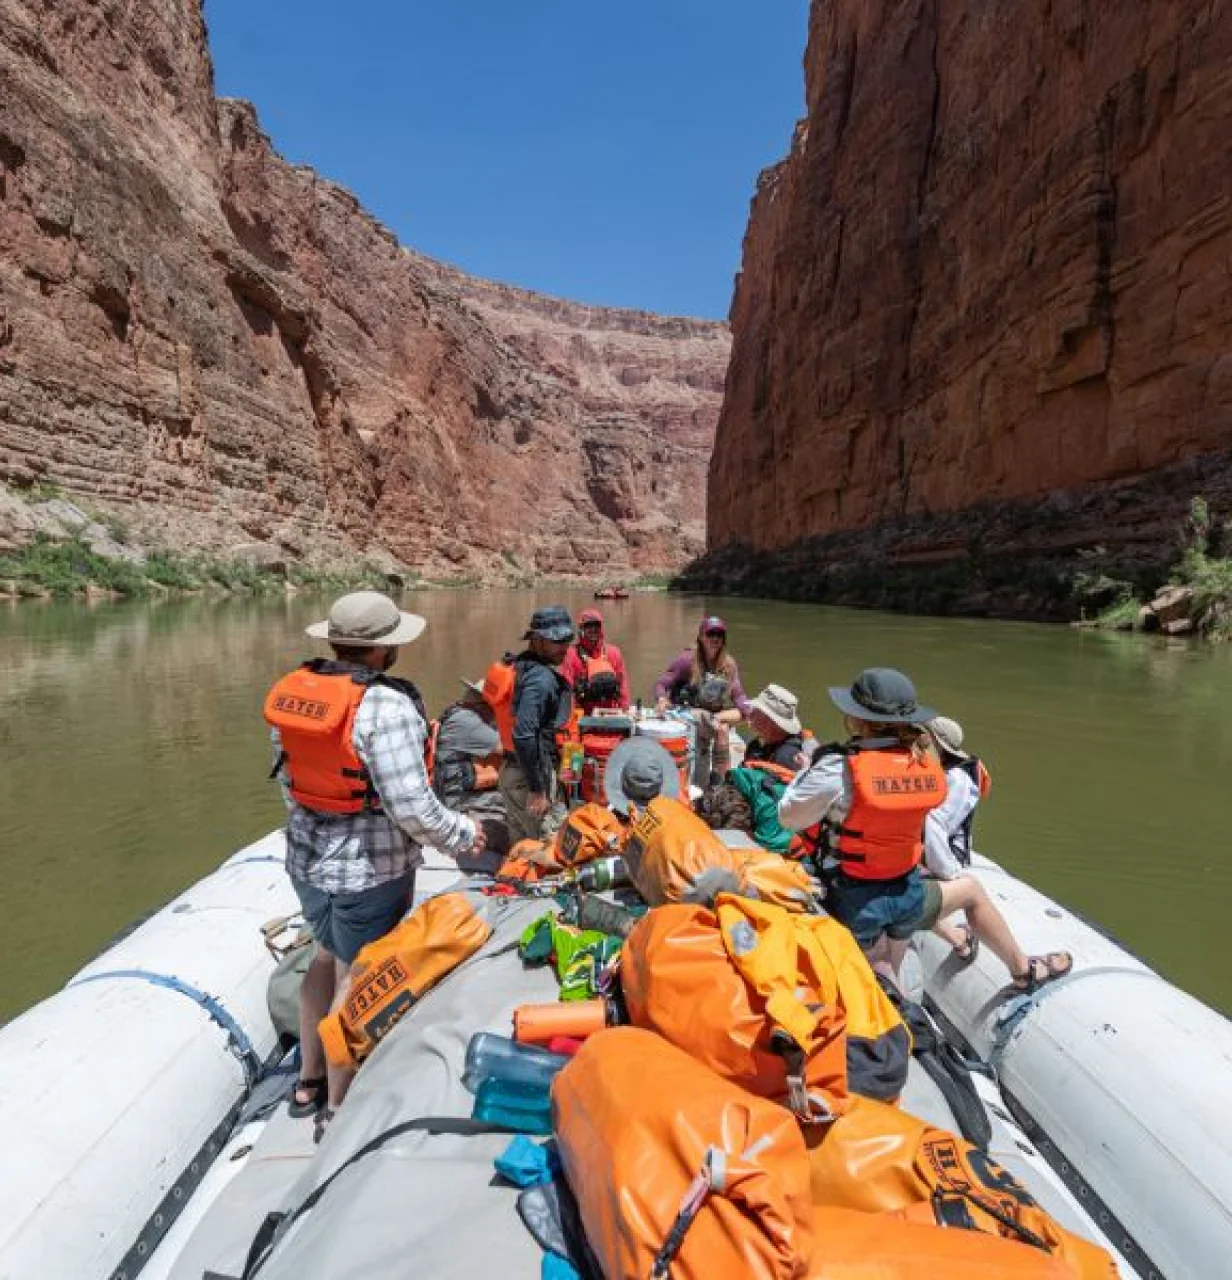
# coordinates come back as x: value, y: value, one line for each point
x: 637, y: 771
x: 552, y: 622
x: 366, y: 618
x: 881, y: 695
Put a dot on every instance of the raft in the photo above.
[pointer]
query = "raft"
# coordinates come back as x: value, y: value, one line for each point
x: 145, y: 1128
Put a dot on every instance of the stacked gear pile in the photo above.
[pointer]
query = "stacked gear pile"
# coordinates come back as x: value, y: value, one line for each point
x: 770, y: 1145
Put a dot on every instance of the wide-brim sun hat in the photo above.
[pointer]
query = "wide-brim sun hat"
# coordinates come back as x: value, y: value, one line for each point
x: 366, y: 618
x: 881, y: 695
x: 633, y: 767
x: 553, y: 623
x: 948, y: 735
x: 781, y: 706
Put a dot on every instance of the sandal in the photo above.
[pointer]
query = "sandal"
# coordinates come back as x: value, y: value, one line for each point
x: 316, y: 1091
x: 970, y: 948
x: 1043, y: 969
x: 324, y: 1116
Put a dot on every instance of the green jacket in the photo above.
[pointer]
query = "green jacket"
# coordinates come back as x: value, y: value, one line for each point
x: 762, y: 791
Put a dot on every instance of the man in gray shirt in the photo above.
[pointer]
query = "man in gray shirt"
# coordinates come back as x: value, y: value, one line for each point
x: 466, y: 772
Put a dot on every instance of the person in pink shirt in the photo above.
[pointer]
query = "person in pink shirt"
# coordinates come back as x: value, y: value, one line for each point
x: 595, y: 668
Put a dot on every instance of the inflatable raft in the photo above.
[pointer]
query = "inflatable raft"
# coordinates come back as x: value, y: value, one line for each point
x: 144, y: 1131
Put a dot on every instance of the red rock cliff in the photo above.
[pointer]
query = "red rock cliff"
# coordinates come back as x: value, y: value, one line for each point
x: 227, y: 348
x: 996, y: 264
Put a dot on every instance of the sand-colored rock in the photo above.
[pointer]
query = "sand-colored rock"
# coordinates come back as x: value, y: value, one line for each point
x: 995, y: 268
x: 227, y: 349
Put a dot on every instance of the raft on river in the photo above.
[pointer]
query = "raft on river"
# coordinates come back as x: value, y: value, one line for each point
x: 144, y: 1133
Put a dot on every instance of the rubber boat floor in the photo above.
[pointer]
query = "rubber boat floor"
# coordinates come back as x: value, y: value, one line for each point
x: 434, y: 1202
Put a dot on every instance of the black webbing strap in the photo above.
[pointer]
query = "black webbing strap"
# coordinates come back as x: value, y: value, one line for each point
x: 277, y: 1224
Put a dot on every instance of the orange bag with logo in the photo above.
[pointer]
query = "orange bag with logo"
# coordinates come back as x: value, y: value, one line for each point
x: 878, y: 1159
x: 878, y: 1246
x: 673, y: 856
x: 735, y: 988
x: 392, y: 973
x: 591, y: 831
x: 699, y: 1180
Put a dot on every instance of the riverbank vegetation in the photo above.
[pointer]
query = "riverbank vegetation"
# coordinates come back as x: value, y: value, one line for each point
x: 1194, y: 598
x: 938, y: 568
x: 64, y: 568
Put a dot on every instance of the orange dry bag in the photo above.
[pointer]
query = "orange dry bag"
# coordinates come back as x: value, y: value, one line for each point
x: 720, y: 983
x: 878, y: 1159
x: 878, y: 1246
x: 590, y: 831
x: 691, y: 1177
x: 392, y: 973
x: 693, y: 978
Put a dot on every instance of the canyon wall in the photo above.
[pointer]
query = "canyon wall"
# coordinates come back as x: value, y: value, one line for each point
x: 986, y: 301
x: 225, y: 348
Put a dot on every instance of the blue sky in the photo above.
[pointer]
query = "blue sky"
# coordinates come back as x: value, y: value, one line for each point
x: 604, y: 152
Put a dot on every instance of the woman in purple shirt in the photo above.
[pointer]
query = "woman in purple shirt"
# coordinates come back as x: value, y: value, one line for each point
x: 706, y: 679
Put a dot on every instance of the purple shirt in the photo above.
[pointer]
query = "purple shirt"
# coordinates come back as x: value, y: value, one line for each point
x: 680, y: 673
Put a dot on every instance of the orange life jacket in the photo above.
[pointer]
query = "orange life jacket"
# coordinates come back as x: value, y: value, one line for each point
x: 313, y: 708
x: 498, y: 685
x: 811, y: 839
x: 779, y: 771
x: 599, y: 684
x: 882, y: 836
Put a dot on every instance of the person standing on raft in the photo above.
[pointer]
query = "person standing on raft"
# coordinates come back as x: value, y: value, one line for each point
x: 595, y: 668
x: 706, y: 679
x: 874, y: 794
x: 538, y: 709
x: 350, y: 742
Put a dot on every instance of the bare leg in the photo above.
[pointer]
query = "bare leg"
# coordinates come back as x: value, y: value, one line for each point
x: 339, y: 1077
x: 966, y: 893
x: 721, y: 758
x: 952, y: 933
x: 315, y: 993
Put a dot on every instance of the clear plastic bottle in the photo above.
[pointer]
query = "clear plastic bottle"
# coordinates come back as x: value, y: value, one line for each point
x: 493, y: 1057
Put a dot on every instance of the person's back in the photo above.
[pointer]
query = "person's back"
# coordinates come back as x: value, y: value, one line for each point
x: 466, y: 772
x: 351, y: 745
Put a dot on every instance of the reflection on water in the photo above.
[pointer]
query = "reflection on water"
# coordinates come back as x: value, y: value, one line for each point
x: 135, y: 759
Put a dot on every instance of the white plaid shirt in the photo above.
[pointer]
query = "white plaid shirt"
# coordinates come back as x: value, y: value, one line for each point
x: 350, y: 852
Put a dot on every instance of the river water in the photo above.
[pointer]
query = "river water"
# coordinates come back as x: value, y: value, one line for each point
x: 134, y: 758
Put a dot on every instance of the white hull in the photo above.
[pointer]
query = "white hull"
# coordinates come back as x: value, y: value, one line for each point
x: 114, y: 1086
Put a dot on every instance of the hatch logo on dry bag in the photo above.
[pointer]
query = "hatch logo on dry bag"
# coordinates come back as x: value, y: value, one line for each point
x: 301, y: 707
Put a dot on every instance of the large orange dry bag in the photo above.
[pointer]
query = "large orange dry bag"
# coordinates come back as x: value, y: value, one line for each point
x: 735, y: 984
x: 640, y: 1158
x: 391, y: 974
x: 878, y: 1159
x: 745, y: 1001
x: 878, y: 1246
x: 673, y: 856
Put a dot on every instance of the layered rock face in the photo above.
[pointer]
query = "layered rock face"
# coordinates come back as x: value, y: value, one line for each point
x: 996, y: 268
x: 226, y: 348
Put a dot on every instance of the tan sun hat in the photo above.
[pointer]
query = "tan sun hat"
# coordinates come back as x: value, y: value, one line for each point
x: 475, y: 686
x: 948, y: 735
x: 780, y: 705
x: 366, y: 618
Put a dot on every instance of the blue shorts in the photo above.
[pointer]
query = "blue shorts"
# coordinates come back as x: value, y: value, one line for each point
x: 910, y: 904
x: 343, y: 923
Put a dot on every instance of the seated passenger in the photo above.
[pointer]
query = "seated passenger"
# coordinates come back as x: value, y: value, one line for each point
x: 637, y: 771
x: 706, y: 679
x: 947, y: 830
x: 594, y: 668
x: 466, y: 773
x: 773, y: 718
x: 875, y: 794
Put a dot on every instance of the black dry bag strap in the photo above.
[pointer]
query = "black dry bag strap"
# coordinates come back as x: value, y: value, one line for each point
x: 276, y: 1225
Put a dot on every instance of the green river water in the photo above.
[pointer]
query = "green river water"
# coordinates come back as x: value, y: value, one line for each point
x: 135, y: 760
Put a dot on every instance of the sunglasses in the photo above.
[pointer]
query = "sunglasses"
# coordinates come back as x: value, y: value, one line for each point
x: 716, y: 635
x: 592, y: 626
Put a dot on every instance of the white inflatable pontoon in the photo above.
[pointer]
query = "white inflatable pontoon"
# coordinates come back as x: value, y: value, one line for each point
x: 136, y: 1139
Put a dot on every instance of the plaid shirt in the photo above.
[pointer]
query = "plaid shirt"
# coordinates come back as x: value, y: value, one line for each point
x: 350, y: 852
